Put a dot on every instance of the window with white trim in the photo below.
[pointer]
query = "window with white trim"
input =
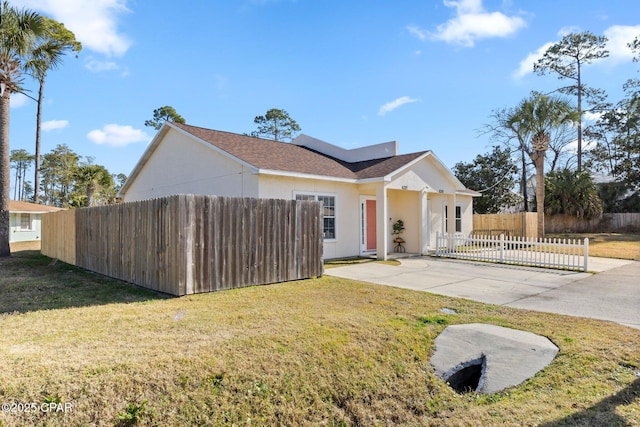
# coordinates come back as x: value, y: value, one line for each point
x: 458, y: 219
x: 25, y: 222
x: 328, y: 210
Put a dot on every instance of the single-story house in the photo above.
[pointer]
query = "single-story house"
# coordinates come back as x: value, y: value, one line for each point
x: 364, y: 190
x: 25, y: 220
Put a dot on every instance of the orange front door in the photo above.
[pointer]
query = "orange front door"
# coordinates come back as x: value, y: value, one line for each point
x: 370, y: 209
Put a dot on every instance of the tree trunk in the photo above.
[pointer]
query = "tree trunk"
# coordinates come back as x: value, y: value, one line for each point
x: 5, y: 177
x: 525, y: 192
x: 91, y: 191
x: 36, y: 179
x: 579, y: 120
x: 539, y: 163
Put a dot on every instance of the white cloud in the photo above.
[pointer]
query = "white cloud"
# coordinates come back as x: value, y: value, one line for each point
x: 526, y: 65
x: 416, y: 31
x: 117, y: 135
x: 472, y: 22
x: 591, y: 117
x: 390, y: 106
x: 619, y: 36
x: 18, y: 100
x: 565, y: 31
x: 54, y: 125
x: 94, y: 22
x: 97, y: 66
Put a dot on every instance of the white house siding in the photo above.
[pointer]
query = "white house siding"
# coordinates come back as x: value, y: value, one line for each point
x: 346, y: 243
x: 180, y: 166
x: 17, y: 233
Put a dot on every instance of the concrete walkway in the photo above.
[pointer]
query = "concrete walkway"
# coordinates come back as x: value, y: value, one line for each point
x: 611, y: 294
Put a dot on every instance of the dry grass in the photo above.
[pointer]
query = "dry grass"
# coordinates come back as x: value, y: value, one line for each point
x: 340, y: 262
x: 609, y: 245
x: 316, y: 352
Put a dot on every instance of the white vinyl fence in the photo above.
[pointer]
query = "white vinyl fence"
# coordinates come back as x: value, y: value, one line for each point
x: 563, y: 254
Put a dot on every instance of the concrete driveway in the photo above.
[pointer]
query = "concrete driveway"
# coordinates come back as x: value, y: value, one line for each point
x: 611, y: 294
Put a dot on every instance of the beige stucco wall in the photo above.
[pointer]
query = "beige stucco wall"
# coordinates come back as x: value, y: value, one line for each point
x: 347, y: 195
x: 436, y: 206
x: 425, y: 174
x: 405, y: 205
x: 182, y: 166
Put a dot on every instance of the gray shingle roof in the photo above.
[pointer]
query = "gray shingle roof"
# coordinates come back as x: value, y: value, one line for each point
x: 286, y: 157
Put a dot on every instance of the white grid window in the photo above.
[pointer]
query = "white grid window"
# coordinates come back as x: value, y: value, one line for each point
x: 328, y: 210
x: 458, y: 219
x: 25, y: 222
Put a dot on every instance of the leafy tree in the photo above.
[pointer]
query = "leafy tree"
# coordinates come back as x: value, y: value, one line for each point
x: 27, y: 191
x: 164, y: 114
x: 506, y: 129
x: 109, y: 195
x: 276, y: 124
x: 58, y: 175
x: 68, y: 181
x: 566, y: 58
x: 17, y: 29
x: 617, y: 135
x: 494, y: 176
x: 618, y: 197
x: 571, y: 193
x: 92, y: 179
x: 535, y: 118
x: 46, y: 54
x: 21, y: 161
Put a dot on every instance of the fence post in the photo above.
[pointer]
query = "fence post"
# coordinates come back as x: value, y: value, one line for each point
x: 501, y: 247
x: 586, y: 253
x: 437, y: 243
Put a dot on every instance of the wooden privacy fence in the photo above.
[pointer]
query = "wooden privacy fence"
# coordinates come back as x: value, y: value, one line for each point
x: 189, y: 244
x: 554, y: 253
x: 523, y: 224
x: 58, y: 232
x: 607, y: 223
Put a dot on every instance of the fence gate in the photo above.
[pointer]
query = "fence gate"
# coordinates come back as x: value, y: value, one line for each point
x: 566, y: 254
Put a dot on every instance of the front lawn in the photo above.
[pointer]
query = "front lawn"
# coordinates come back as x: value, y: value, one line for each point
x: 326, y: 351
x: 609, y: 245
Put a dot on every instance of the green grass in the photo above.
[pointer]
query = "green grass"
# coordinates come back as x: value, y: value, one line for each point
x: 325, y: 351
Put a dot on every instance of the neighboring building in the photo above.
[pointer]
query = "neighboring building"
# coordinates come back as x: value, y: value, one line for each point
x: 25, y: 220
x: 364, y: 190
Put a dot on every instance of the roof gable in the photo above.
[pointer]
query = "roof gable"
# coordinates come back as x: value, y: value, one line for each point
x: 265, y: 154
x: 269, y: 157
x: 17, y: 206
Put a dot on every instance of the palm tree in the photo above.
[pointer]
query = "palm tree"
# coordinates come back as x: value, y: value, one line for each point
x: 536, y: 117
x: 47, y: 55
x: 572, y: 193
x: 93, y: 178
x: 17, y: 30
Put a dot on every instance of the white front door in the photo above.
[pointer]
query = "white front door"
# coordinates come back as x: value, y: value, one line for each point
x: 368, y: 231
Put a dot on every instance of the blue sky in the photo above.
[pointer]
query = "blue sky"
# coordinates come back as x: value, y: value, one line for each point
x: 426, y: 73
